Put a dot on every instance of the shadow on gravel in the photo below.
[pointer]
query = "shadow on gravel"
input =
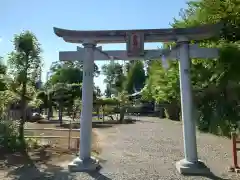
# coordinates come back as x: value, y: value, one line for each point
x: 77, y: 125
x: 100, y: 124
x: 30, y: 172
x: 209, y: 176
x: 40, y: 168
x: 97, y: 175
x: 28, y: 169
x: 44, y: 121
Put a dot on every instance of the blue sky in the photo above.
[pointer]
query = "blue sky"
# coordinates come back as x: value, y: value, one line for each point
x: 40, y: 16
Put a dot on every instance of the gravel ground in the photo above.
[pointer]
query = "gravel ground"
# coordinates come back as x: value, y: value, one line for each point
x: 148, y: 150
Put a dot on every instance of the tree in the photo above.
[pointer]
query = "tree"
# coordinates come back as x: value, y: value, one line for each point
x: 61, y: 95
x: 135, y: 79
x: 66, y: 72
x: 114, y: 78
x: 213, y: 11
x: 2, y: 66
x: 43, y: 96
x: 3, y: 69
x: 216, y: 81
x: 123, y: 100
x: 163, y: 87
x: 97, y: 91
x: 108, y: 92
x: 24, y: 63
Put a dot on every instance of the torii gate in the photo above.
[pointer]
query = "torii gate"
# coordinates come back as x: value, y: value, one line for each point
x: 135, y: 50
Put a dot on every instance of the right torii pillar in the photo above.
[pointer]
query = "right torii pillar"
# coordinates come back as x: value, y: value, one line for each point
x: 190, y: 164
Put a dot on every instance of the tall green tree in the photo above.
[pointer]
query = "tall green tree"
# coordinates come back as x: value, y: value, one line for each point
x: 114, y: 77
x: 215, y: 81
x: 135, y: 79
x: 108, y: 92
x: 68, y: 72
x: 2, y: 66
x: 213, y: 11
x: 163, y: 85
x: 24, y: 64
x: 62, y: 96
x: 3, y: 69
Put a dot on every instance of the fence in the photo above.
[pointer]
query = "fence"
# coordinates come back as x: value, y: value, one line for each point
x: 15, y: 114
x: 235, y: 149
x: 11, y: 115
x: 65, y: 139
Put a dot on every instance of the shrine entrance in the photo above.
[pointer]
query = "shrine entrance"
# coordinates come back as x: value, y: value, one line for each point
x: 135, y: 39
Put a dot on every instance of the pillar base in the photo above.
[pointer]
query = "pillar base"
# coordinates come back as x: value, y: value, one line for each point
x: 78, y: 165
x: 188, y: 168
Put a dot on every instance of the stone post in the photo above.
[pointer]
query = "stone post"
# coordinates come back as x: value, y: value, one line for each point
x: 85, y: 162
x: 190, y: 164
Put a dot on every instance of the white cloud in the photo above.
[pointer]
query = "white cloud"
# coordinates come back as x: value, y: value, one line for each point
x: 0, y: 39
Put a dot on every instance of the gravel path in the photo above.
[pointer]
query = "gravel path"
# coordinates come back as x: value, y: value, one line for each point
x: 149, y: 149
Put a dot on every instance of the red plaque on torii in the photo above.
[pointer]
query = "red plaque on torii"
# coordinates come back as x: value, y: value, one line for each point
x: 135, y: 44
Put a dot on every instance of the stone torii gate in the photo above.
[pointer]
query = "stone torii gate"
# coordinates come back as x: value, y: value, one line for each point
x: 135, y: 50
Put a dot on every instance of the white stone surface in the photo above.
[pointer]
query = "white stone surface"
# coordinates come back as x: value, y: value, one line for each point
x: 189, y: 168
x: 78, y: 165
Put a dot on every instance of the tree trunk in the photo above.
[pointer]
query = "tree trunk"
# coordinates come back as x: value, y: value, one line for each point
x: 172, y: 112
x: 23, y: 116
x: 103, y: 109
x: 49, y: 109
x: 69, y: 111
x: 50, y: 112
x: 60, y: 111
x: 98, y: 111
x: 122, y: 113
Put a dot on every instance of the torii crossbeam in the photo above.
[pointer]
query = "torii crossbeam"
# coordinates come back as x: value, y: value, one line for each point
x: 135, y: 50
x: 194, y: 52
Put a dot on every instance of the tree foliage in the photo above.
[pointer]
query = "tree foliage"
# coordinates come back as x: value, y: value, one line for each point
x: 114, y: 78
x: 66, y: 72
x: 215, y: 81
x: 2, y: 75
x: 24, y: 64
x: 135, y: 79
x: 162, y: 85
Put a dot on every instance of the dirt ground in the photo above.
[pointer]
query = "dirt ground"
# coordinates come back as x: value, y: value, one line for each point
x: 52, y: 151
x: 59, y: 143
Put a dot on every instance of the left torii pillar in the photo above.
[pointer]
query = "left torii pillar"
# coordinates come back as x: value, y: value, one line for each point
x: 85, y: 162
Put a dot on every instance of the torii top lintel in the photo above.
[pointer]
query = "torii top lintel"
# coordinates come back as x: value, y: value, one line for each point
x: 150, y: 35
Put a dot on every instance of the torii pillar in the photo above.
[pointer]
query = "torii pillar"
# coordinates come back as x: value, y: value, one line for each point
x: 190, y: 164
x: 85, y: 162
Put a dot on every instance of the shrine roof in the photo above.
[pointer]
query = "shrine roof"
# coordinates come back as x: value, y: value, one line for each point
x: 150, y: 35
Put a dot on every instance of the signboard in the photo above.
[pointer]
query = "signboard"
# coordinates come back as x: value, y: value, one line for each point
x: 135, y: 44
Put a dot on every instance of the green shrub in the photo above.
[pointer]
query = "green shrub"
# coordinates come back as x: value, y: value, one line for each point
x: 110, y: 109
x: 172, y: 111
x: 218, y: 115
x: 32, y: 143
x: 9, y: 136
x: 107, y: 101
